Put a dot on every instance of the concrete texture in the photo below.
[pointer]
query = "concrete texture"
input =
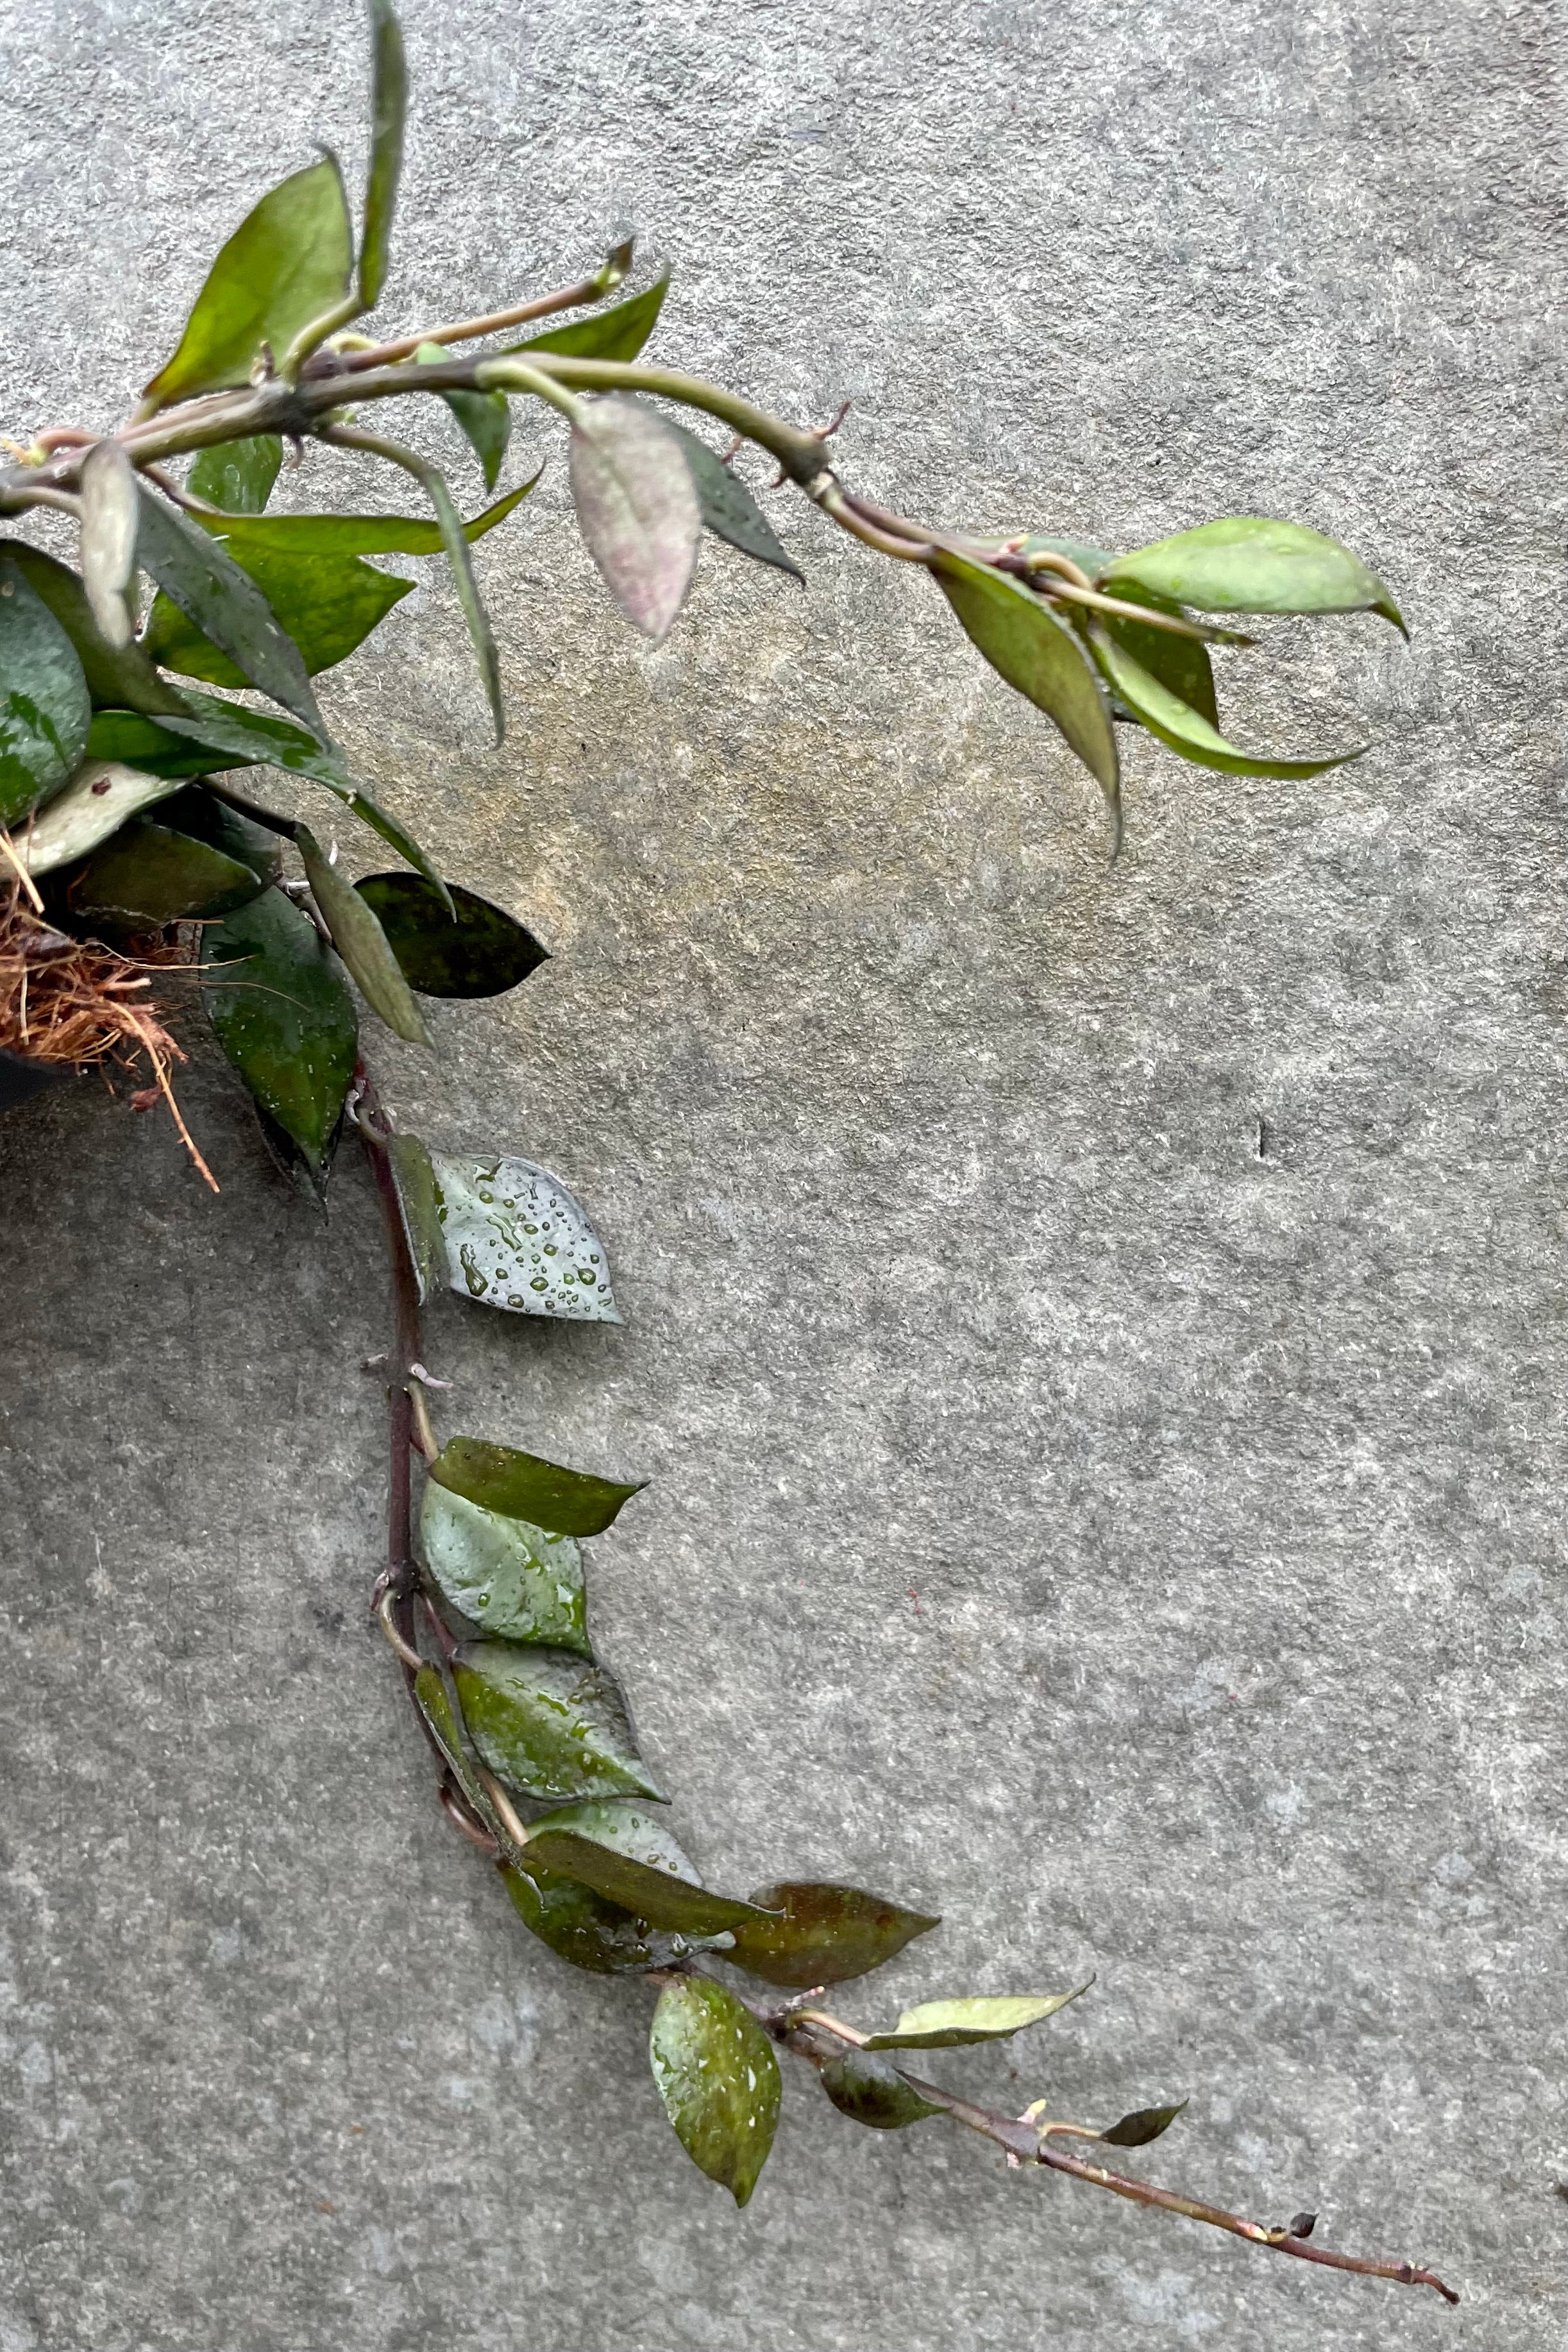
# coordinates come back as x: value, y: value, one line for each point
x: 1096, y: 1335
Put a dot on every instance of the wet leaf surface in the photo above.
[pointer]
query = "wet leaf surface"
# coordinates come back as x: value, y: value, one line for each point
x: 525, y: 1486
x: 718, y: 2079
x: 870, y: 2091
x: 117, y: 675
x: 45, y: 713
x: 413, y: 1180
x: 480, y: 950
x: 435, y: 1702
x: 826, y: 1934
x: 505, y: 1576
x: 328, y: 605
x: 953, y: 2025
x: 278, y: 998
x: 1248, y: 563
x: 149, y: 873
x: 360, y: 941
x: 516, y: 1238
x: 637, y: 509
x: 96, y: 802
x: 580, y: 1927
x: 631, y: 1858
x: 548, y: 1722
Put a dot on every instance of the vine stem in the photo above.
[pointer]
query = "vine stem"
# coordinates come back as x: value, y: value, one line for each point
x: 398, y: 1579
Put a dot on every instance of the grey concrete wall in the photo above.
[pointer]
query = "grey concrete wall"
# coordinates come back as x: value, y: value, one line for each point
x: 1095, y: 1334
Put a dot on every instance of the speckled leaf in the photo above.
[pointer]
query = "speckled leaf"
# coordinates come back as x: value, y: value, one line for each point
x: 525, y: 1486
x: 109, y: 523
x: 149, y: 875
x: 952, y: 2024
x: 516, y: 1238
x: 415, y: 1181
x: 360, y: 941
x: 582, y: 1928
x: 631, y: 1858
x: 286, y: 264
x: 729, y: 508
x: 237, y: 475
x: 224, y: 602
x: 617, y: 333
x: 197, y: 812
x: 435, y: 1705
x: 548, y: 1722
x: 870, y: 2091
x: 44, y: 708
x: 328, y: 605
x: 389, y: 109
x: 637, y: 509
x: 476, y: 950
x: 1185, y: 730
x: 120, y: 676
x: 718, y: 2079
x: 826, y: 1933
x: 1248, y: 563
x: 485, y: 417
x: 508, y: 1577
x: 279, y: 1002
x: 96, y: 802
x: 1142, y: 2125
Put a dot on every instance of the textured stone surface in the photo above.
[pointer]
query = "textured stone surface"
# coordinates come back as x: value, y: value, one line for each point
x: 1096, y: 1335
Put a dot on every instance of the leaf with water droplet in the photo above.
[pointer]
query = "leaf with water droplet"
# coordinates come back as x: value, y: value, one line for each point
x: 581, y: 1928
x: 237, y: 475
x: 119, y: 676
x: 637, y: 509
x: 44, y: 708
x: 631, y: 1858
x: 473, y: 950
x: 516, y: 1238
x: 823, y: 1932
x: 526, y: 1487
x: 505, y: 1576
x: 953, y: 2025
x: 435, y: 1702
x: 1142, y: 2125
x: 718, y: 2079
x: 870, y: 2091
x: 278, y: 998
x: 548, y: 1722
x: 96, y: 803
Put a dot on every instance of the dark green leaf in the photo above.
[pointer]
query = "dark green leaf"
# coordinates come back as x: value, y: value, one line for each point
x: 122, y: 675
x: 478, y: 951
x: 389, y: 109
x: 718, y: 2079
x: 327, y: 604
x: 149, y: 875
x: 486, y: 417
x: 729, y: 508
x: 237, y: 475
x: 1038, y: 655
x: 1249, y: 564
x: 278, y: 1001
x: 360, y: 941
x: 631, y: 1858
x: 414, y: 1181
x: 510, y: 1578
x: 517, y: 1239
x: 140, y: 742
x: 44, y: 708
x: 286, y: 264
x: 96, y: 803
x: 637, y: 509
x: 109, y: 525
x: 548, y: 1722
x: 436, y: 1706
x: 1142, y: 2125
x: 826, y: 1934
x: 1185, y: 730
x: 617, y: 333
x: 522, y: 1486
x: 315, y: 534
x: 953, y: 2025
x: 580, y: 1927
x: 225, y: 604
x: 870, y: 2091
x: 456, y: 541
x: 204, y: 818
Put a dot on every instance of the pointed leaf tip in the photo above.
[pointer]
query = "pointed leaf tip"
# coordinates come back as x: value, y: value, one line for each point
x: 1255, y: 563
x: 953, y: 2025
x: 1144, y: 2125
x: 824, y: 1933
x: 718, y: 2079
x: 388, y: 109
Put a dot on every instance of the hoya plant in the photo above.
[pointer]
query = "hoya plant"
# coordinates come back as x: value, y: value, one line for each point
x: 137, y: 734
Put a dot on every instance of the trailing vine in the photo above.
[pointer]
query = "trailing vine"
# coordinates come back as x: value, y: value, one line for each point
x: 132, y: 848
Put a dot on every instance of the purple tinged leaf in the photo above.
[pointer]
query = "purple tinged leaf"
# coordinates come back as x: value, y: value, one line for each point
x: 1142, y: 2125
x: 637, y: 507
x: 823, y: 1932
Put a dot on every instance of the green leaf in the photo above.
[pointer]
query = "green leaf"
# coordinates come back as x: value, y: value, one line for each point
x: 1181, y: 664
x: 327, y: 604
x: 96, y: 802
x: 486, y: 417
x: 225, y: 604
x: 139, y: 742
x: 826, y: 1933
x: 237, y: 475
x: 1040, y: 657
x: 454, y: 539
x: 617, y: 333
x: 1247, y: 563
x: 718, y: 2079
x: 1185, y: 730
x: 478, y: 951
x: 870, y: 2091
x: 198, y: 814
x: 122, y: 676
x: 510, y: 1578
x: 277, y: 997
x: 286, y: 264
x: 636, y: 507
x: 548, y: 1722
x: 413, y: 1180
x: 1142, y: 2125
x: 109, y: 523
x: 148, y: 874
x: 582, y: 1928
x: 389, y: 109
x: 953, y: 2025
x: 729, y: 508
x: 631, y: 1858
x: 523, y: 1486
x: 516, y: 1238
x: 435, y: 1705
x: 360, y: 941
x: 44, y: 708
x: 318, y: 534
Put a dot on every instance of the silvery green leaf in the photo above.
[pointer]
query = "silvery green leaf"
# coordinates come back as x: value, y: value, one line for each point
x: 516, y: 1238
x: 637, y: 507
x: 506, y: 1576
x: 109, y: 519
x: 96, y: 803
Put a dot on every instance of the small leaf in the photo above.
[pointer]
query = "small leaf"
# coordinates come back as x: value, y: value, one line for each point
x: 617, y: 333
x: 1247, y: 563
x: 197, y: 813
x: 548, y: 1722
x: 328, y: 605
x: 278, y: 1001
x: 1040, y: 657
x: 1142, y: 2125
x: 729, y: 508
x: 516, y: 1238
x: 630, y: 1858
x: 109, y: 525
x: 523, y: 1486
x: 637, y: 510
x: 44, y: 708
x: 454, y: 539
x: 826, y: 1934
x: 149, y: 875
x: 96, y: 802
x: 318, y: 534
x: 1185, y: 730
x: 413, y: 1181
x: 1181, y: 664
x: 510, y: 1578
x: 118, y: 675
x: 362, y: 942
x: 237, y: 475
x: 870, y: 2091
x: 718, y: 2079
x: 486, y: 417
x: 478, y: 951
x: 435, y: 1705
x: 286, y: 264
x: 225, y: 604
x: 953, y: 2025
x: 389, y: 109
